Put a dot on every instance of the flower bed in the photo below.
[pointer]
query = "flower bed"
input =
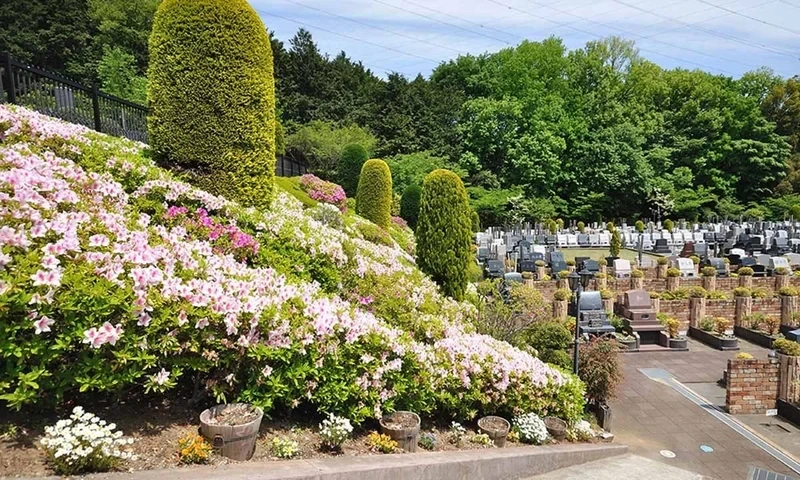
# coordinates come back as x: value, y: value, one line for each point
x: 116, y: 277
x: 323, y: 191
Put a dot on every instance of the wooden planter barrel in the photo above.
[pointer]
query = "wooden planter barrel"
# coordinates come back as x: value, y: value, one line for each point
x: 237, y: 442
x: 498, y: 436
x: 406, y: 438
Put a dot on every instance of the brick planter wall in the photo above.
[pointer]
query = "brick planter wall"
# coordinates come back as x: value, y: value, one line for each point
x: 752, y: 386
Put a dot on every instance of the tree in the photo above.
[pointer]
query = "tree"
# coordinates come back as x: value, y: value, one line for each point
x: 639, y: 226
x: 476, y: 221
x: 117, y: 74
x: 444, y: 232
x: 374, y: 195
x: 320, y: 144
x: 213, y: 116
x: 615, y: 244
x: 350, y: 163
x: 409, y: 205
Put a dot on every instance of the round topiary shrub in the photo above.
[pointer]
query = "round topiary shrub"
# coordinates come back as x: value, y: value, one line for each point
x: 662, y: 260
x: 212, y: 97
x: 562, y: 294
x: 581, y: 226
x: 673, y: 272
x: 668, y: 225
x: 708, y: 271
x: 444, y: 231
x: 476, y: 221
x: 745, y: 271
x: 351, y: 161
x: 742, y: 292
x: 409, y: 205
x: 639, y: 225
x: 695, y: 259
x: 374, y: 193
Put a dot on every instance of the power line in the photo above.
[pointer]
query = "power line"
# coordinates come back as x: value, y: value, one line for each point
x: 481, y: 25
x: 441, y: 21
x: 710, y: 32
x: 667, y: 20
x: 592, y: 34
x: 796, y: 32
x: 349, y: 37
x: 627, y: 32
x: 376, y: 27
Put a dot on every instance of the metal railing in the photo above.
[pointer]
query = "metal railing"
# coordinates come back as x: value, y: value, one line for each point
x: 60, y: 97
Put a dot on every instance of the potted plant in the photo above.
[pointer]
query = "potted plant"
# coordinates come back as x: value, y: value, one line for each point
x: 673, y: 279
x: 570, y: 265
x: 745, y: 277
x: 603, y: 263
x: 676, y: 341
x: 600, y: 280
x: 607, y: 296
x: 661, y: 269
x: 232, y: 429
x: 655, y: 300
x: 540, y: 269
x: 562, y: 278
x: 637, y: 279
x: 403, y: 428
x: 601, y: 371
x: 639, y: 226
x: 561, y: 302
x: 496, y: 428
x: 709, y: 274
x: 668, y: 225
x: 615, y: 245
x: 716, y: 333
x: 781, y: 277
x: 556, y: 427
x: 581, y: 226
x: 527, y: 276
x: 696, y: 261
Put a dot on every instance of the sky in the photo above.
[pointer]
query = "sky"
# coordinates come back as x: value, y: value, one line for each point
x: 726, y: 37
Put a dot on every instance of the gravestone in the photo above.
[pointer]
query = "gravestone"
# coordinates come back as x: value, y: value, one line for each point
x: 572, y: 240
x: 780, y: 246
x: 719, y: 266
x: 483, y: 254
x: 591, y: 266
x: 686, y: 266
x: 494, y: 269
x: 661, y: 246
x: 513, y: 277
x: 557, y: 262
x: 622, y: 268
x: 583, y: 240
x: 592, y: 319
x: 778, y: 262
x: 638, y: 311
x: 604, y: 239
x: 527, y: 266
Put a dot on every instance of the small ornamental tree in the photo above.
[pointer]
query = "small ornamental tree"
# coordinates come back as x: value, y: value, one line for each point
x: 476, y: 221
x: 212, y: 97
x: 581, y: 226
x: 409, y: 205
x: 668, y: 225
x: 374, y: 193
x: 552, y: 226
x: 350, y: 163
x: 444, y: 232
x: 639, y: 226
x: 615, y: 243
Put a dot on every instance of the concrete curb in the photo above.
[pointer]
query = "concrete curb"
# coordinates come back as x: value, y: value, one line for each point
x: 489, y: 464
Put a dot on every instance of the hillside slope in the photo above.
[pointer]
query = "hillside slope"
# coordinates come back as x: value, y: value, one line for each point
x: 117, y: 277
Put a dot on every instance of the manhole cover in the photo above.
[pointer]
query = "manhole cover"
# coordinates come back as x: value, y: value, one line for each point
x: 667, y: 454
x: 706, y: 448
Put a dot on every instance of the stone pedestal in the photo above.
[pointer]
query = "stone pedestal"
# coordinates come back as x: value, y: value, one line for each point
x: 656, y: 302
x: 560, y: 308
x: 603, y: 269
x: 781, y: 281
x: 637, y: 283
x: 540, y: 273
x: 562, y: 283
x: 746, y: 281
x: 673, y: 283
x: 788, y: 307
x: 608, y: 305
x: 697, y: 311
x: 600, y: 283
x: 661, y: 271
x: 710, y: 283
x: 570, y: 268
x: 743, y: 308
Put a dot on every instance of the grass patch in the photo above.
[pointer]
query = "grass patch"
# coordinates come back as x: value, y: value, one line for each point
x: 597, y: 253
x: 292, y: 186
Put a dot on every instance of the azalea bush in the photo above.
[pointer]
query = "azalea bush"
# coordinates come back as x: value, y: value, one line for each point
x: 115, y: 276
x: 323, y: 191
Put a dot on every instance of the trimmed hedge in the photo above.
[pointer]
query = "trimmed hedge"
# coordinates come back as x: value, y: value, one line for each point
x: 476, y: 221
x: 444, y: 232
x: 350, y: 163
x: 409, y: 205
x: 212, y: 97
x: 374, y: 195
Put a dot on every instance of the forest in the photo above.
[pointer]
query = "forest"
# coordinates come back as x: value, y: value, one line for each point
x: 536, y: 131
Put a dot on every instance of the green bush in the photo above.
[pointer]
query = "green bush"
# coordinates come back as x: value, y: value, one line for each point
x: 707, y: 324
x: 697, y: 292
x: 409, y: 205
x: 663, y: 261
x: 600, y: 369
x: 291, y: 185
x: 550, y: 339
x: 745, y: 272
x: 212, y: 99
x: 395, y: 210
x: 761, y: 292
x: 636, y: 273
x: 375, y: 234
x: 787, y: 347
x: 374, y: 195
x: 668, y: 225
x: 444, y: 231
x: 639, y: 225
x: 562, y: 294
x: 616, y: 243
x: 350, y: 163
x: 673, y: 272
x: 741, y: 292
x: 476, y: 221
x: 708, y: 271
x: 695, y: 259
x: 780, y: 271
x: 581, y: 226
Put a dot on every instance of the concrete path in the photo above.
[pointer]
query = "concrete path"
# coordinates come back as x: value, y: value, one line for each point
x: 618, y: 468
x: 650, y: 416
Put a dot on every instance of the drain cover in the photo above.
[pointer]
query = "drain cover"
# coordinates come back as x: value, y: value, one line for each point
x: 763, y: 474
x: 667, y: 453
x: 706, y: 448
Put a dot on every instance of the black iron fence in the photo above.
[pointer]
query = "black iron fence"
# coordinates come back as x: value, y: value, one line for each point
x: 61, y: 97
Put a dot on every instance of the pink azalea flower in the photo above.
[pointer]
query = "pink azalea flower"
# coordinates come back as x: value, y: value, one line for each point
x: 43, y: 324
x: 99, y: 241
x: 93, y: 337
x: 161, y: 377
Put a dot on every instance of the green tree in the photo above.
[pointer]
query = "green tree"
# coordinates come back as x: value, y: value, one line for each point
x: 409, y: 169
x: 374, y: 195
x: 350, y: 163
x: 444, y: 232
x: 213, y: 116
x: 320, y: 144
x: 639, y: 226
x: 409, y: 204
x: 615, y: 244
x: 476, y: 221
x: 117, y: 74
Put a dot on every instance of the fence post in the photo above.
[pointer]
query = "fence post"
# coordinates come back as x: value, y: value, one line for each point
x: 12, y: 89
x: 96, y: 107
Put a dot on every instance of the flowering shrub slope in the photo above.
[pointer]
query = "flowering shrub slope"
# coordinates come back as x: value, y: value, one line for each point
x: 114, y: 276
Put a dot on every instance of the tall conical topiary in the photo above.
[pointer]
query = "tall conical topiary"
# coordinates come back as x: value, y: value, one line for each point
x: 350, y: 163
x: 409, y: 205
x: 444, y: 232
x: 374, y: 193
x: 212, y: 97
x: 476, y: 221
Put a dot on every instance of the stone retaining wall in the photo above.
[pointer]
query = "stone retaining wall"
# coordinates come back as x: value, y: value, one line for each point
x: 752, y: 386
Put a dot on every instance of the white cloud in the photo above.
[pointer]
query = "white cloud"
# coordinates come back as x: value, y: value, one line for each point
x: 698, y: 34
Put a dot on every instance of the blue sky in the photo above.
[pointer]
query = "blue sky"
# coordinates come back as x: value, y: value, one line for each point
x: 726, y: 37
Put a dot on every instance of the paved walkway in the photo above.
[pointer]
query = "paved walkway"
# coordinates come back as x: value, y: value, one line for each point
x: 650, y: 416
x: 619, y: 468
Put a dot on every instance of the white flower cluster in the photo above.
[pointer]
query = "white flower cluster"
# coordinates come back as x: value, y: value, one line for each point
x: 583, y: 428
x: 457, y: 433
x: 334, y: 430
x: 85, y: 441
x: 531, y: 428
